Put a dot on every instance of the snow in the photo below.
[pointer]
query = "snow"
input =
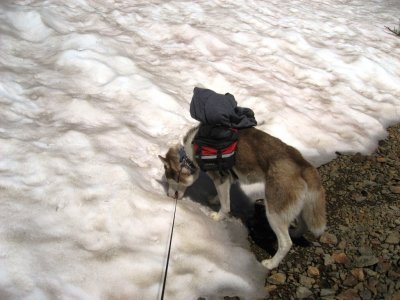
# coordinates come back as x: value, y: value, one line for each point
x: 92, y: 91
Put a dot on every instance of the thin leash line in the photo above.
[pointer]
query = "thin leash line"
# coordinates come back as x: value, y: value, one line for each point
x: 170, y: 241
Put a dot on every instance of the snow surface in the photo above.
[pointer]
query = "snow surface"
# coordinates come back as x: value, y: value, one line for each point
x: 92, y: 91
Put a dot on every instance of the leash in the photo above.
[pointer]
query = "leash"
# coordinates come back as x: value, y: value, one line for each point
x: 170, y: 240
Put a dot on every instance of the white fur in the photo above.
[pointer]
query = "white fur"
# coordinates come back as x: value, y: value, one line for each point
x: 279, y: 222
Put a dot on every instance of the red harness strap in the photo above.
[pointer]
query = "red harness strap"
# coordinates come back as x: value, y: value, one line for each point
x: 211, y: 153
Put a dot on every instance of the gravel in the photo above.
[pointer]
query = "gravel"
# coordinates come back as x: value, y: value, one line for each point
x: 359, y: 255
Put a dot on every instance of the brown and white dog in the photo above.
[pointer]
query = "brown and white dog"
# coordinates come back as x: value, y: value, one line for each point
x: 291, y: 187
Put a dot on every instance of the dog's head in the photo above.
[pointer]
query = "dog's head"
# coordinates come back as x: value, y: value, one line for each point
x: 178, y: 173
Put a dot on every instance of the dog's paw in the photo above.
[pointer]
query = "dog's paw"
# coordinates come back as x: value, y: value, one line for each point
x: 217, y: 216
x: 269, y: 264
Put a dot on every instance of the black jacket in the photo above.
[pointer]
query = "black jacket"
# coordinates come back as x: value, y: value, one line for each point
x: 211, y: 108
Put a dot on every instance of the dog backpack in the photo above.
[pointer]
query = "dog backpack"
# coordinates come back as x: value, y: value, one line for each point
x: 215, y: 148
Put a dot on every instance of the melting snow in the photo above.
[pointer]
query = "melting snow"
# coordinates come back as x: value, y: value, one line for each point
x: 92, y: 91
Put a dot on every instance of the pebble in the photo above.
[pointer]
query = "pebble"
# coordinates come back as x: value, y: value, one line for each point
x: 365, y: 250
x: 359, y: 286
x: 371, y: 284
x: 370, y: 272
x: 328, y: 238
x: 328, y: 260
x: 395, y: 189
x: 327, y: 292
x: 350, y: 280
x: 394, y: 275
x: 306, y: 281
x: 393, y: 238
x: 358, y: 273
x: 277, y: 279
x: 365, y: 294
x: 358, y: 197
x: 313, y: 271
x: 349, y: 294
x: 365, y: 261
x: 342, y: 245
x: 271, y: 287
x: 303, y: 292
x: 383, y: 266
x: 340, y: 258
x: 395, y: 296
x: 358, y: 158
x: 319, y: 251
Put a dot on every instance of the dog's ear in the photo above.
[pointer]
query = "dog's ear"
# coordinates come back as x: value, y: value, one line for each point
x: 163, y: 159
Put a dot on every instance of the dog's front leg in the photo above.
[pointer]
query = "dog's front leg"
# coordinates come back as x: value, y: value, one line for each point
x: 223, y: 189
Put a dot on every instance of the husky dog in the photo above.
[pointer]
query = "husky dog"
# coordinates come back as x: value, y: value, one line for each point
x: 291, y: 186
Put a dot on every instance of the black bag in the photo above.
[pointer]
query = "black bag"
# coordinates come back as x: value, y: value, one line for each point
x: 215, y: 148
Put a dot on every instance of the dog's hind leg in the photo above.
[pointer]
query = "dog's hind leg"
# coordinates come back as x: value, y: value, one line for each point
x: 280, y: 225
x: 284, y: 201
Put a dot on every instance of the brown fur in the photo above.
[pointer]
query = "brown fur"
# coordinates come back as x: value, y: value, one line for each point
x: 285, y: 171
x: 292, y: 185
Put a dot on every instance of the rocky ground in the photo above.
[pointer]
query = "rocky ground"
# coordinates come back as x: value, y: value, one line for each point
x: 359, y: 255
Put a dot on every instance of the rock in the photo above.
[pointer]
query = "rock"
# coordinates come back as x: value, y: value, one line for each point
x: 340, y: 258
x: 371, y: 284
x: 393, y: 238
x: 375, y: 242
x: 306, y: 281
x: 395, y: 296
x: 370, y: 272
x: 358, y: 158
x: 328, y: 260
x: 381, y: 159
x: 342, y: 245
x: 349, y: 295
x: 271, y: 287
x: 365, y: 294
x: 327, y: 292
x: 395, y: 189
x: 303, y: 292
x: 382, y: 288
x: 277, y: 278
x: 365, y: 250
x: 365, y: 261
x: 383, y: 266
x: 359, y: 287
x: 358, y: 273
x: 394, y: 275
x: 313, y: 271
x: 319, y: 251
x: 358, y: 197
x: 350, y: 281
x: 328, y: 238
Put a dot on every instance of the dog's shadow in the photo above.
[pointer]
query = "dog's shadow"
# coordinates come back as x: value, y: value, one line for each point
x: 252, y: 214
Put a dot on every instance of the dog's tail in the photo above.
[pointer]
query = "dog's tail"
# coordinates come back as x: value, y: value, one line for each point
x: 314, y: 209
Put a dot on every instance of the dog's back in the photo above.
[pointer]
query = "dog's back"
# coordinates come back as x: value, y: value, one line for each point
x: 291, y: 186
